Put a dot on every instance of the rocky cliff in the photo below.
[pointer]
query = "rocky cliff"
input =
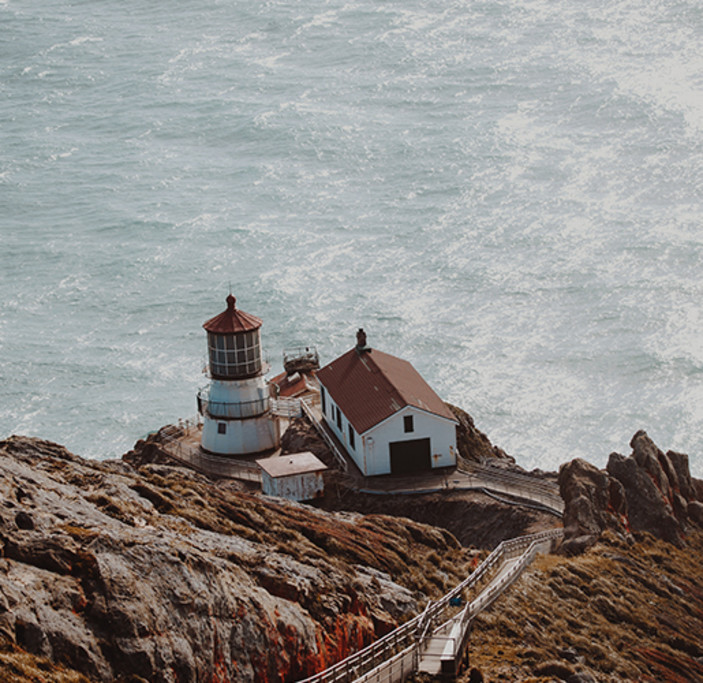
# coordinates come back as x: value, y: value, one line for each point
x: 160, y: 574
x: 648, y: 491
x: 141, y: 571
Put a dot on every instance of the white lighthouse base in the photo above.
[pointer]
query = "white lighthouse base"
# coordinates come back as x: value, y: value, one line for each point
x: 241, y: 437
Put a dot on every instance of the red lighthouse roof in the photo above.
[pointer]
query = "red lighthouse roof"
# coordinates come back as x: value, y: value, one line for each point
x: 232, y: 320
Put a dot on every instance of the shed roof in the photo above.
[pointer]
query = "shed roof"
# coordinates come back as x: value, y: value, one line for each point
x: 290, y: 385
x: 370, y: 386
x: 288, y: 465
x: 232, y: 320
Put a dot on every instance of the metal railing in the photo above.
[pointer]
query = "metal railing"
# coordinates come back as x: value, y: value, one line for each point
x: 232, y: 410
x: 459, y: 631
x: 515, y: 484
x: 395, y: 656
x: 172, y: 444
x: 287, y: 407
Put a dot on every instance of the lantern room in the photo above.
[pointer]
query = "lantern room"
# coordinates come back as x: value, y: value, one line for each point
x: 234, y: 343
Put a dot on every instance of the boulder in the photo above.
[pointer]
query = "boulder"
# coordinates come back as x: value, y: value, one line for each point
x: 594, y: 501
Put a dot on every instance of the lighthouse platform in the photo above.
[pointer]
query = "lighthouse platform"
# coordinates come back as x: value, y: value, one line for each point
x: 182, y: 443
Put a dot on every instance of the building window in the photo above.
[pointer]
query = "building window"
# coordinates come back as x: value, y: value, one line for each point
x: 222, y: 428
x: 339, y: 419
x: 408, y: 424
x: 234, y: 355
x: 323, y: 399
x: 351, y: 436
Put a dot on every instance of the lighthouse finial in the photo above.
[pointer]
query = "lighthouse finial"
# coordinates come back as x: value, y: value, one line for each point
x: 231, y: 301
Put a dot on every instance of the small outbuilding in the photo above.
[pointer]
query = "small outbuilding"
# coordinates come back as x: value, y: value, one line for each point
x: 297, y: 476
x: 388, y: 418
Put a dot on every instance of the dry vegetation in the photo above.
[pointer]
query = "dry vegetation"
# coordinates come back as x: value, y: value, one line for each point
x: 618, y: 612
x: 18, y: 666
x: 414, y: 555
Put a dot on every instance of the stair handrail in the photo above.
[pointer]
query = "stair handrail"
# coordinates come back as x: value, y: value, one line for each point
x: 340, y: 670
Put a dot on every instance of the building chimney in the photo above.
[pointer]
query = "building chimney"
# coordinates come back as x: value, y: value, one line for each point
x: 361, y: 345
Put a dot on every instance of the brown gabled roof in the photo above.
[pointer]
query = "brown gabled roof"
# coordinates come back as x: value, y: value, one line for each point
x: 370, y: 386
x: 232, y: 320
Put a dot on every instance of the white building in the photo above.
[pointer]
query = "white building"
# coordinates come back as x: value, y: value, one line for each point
x: 388, y: 418
x: 297, y: 476
x: 237, y: 418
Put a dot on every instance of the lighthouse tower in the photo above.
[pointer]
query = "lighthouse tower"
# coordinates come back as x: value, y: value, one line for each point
x: 237, y: 417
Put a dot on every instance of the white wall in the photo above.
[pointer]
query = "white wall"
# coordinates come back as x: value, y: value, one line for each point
x: 294, y: 487
x: 254, y: 435
x: 372, y: 454
x: 441, y: 432
x: 343, y: 434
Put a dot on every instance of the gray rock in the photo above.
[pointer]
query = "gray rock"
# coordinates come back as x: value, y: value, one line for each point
x: 162, y: 575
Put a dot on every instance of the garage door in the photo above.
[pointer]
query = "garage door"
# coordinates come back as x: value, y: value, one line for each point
x: 410, y: 456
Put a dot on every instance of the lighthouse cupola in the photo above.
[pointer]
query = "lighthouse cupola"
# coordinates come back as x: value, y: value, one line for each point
x: 235, y: 406
x: 234, y: 343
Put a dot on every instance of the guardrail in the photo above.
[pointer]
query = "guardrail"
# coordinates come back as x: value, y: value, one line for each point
x: 172, y: 445
x: 458, y: 639
x: 305, y: 404
x: 392, y: 657
x: 287, y: 407
x: 230, y: 409
x: 515, y: 483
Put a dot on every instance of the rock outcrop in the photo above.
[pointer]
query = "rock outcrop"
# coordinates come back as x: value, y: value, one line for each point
x: 301, y: 436
x: 658, y: 488
x: 160, y: 574
x: 648, y: 491
x: 594, y: 501
x: 472, y: 443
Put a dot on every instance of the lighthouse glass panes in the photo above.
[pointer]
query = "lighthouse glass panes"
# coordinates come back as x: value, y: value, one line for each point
x: 234, y: 355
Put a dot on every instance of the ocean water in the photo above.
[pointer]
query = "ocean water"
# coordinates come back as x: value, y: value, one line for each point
x: 509, y: 195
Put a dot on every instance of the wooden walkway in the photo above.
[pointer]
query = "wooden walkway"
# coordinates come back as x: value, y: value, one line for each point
x: 436, y: 640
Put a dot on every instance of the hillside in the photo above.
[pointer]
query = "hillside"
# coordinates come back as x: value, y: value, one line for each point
x: 162, y: 574
x: 137, y: 570
x: 618, y: 612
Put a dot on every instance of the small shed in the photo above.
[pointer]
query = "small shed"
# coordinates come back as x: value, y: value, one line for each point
x: 297, y: 476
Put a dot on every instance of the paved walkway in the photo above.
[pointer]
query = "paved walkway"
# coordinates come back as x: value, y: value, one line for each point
x: 522, y: 488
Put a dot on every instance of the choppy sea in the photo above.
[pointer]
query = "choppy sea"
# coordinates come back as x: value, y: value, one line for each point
x: 507, y: 194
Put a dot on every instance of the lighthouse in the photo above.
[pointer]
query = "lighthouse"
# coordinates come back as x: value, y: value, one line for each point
x: 237, y: 418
